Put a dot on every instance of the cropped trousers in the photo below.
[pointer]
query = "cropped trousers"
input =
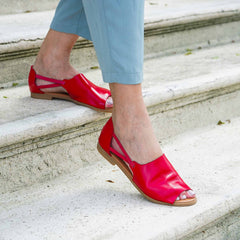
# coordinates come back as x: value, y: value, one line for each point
x: 116, y: 28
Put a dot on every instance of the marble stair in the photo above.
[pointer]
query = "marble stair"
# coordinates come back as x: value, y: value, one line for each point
x: 54, y: 184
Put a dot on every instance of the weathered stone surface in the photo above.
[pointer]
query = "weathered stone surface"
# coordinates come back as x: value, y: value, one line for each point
x: 169, y: 29
x: 52, y: 180
x: 23, y: 6
x: 197, y: 92
x: 84, y: 206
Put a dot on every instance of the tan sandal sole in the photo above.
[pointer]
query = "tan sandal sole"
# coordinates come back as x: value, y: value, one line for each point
x: 114, y: 160
x: 63, y: 96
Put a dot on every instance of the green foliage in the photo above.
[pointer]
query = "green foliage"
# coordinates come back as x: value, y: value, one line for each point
x: 188, y: 52
x: 94, y: 67
x: 14, y: 84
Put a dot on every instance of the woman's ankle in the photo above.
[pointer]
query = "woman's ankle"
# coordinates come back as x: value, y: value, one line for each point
x: 54, y: 69
x: 53, y: 59
x: 137, y: 136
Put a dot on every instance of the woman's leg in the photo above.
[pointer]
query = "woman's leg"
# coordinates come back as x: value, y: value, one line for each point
x: 132, y: 124
x: 67, y: 25
x: 133, y: 128
x: 117, y: 31
x: 53, y: 59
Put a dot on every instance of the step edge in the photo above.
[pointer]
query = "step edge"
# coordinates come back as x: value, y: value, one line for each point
x: 194, y: 85
x: 71, y: 118
x: 226, y: 204
x: 220, y: 209
x: 222, y: 205
x: 29, y: 47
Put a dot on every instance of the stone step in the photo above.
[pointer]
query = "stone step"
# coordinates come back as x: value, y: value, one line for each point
x: 22, y: 6
x: 170, y: 27
x: 98, y: 202
x: 41, y: 139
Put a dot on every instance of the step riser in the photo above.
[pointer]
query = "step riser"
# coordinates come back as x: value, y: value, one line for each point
x: 48, y: 157
x: 22, y: 6
x: 85, y: 204
x: 226, y: 227
x: 179, y: 41
x: 16, y: 70
x: 163, y: 40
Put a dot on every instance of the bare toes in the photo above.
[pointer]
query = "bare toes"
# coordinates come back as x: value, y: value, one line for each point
x: 185, y: 195
x: 109, y: 102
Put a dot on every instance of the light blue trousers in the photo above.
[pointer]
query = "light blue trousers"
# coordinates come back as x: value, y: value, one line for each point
x: 116, y: 28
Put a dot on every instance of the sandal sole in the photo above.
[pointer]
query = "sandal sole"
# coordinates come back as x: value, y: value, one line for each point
x: 62, y: 96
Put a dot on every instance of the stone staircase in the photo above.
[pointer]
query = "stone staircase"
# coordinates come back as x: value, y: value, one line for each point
x: 53, y: 181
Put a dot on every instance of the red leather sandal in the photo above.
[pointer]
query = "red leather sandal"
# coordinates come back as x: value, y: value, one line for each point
x: 158, y: 181
x: 79, y: 90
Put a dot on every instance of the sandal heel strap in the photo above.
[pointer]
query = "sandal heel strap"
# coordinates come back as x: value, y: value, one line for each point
x: 125, y: 155
x: 59, y: 82
x: 48, y: 86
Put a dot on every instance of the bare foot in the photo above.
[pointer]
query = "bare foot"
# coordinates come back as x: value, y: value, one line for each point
x: 53, y: 70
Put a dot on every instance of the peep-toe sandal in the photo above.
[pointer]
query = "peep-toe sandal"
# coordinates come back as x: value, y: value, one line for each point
x: 78, y: 90
x: 158, y: 181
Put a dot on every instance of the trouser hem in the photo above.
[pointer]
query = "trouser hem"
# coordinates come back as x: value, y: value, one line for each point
x: 123, y: 78
x: 71, y: 29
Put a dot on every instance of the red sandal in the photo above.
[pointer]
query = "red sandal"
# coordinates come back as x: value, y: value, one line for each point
x: 158, y: 181
x: 79, y: 90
